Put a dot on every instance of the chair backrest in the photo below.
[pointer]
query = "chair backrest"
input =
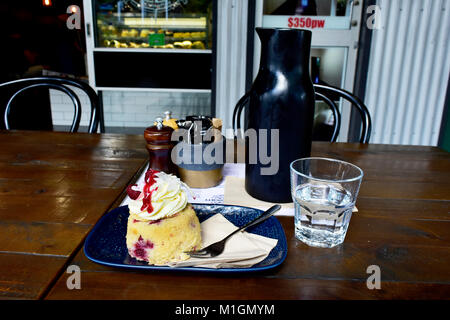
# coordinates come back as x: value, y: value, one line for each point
x: 327, y: 94
x: 60, y: 84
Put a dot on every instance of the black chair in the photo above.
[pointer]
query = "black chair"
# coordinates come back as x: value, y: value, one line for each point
x: 328, y: 94
x: 60, y: 84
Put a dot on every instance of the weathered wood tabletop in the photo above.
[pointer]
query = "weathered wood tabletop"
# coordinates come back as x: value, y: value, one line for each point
x: 53, y: 189
x: 403, y: 226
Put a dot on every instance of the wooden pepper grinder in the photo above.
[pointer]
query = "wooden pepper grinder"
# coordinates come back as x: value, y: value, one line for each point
x: 159, y: 147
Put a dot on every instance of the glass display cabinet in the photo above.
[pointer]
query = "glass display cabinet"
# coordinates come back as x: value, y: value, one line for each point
x: 150, y: 44
x: 157, y: 24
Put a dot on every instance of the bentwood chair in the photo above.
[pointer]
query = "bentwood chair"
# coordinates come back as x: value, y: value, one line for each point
x: 61, y: 84
x: 328, y: 94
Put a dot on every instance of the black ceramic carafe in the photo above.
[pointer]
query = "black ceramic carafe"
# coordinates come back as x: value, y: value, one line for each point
x: 281, y: 97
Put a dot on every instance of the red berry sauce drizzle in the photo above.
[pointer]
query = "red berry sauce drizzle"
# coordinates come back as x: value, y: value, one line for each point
x: 147, y: 200
x: 149, y: 181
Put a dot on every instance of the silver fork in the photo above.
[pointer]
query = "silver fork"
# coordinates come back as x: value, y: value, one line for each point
x: 217, y: 248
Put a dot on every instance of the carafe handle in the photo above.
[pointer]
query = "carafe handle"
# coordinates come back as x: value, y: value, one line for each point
x: 237, y: 114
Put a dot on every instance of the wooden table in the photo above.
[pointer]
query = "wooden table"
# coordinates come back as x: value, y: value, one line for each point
x: 53, y: 189
x: 403, y: 226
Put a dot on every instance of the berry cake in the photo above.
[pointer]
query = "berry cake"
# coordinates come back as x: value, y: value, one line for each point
x: 161, y: 225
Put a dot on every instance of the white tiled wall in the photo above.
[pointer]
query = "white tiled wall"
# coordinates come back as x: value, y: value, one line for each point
x: 62, y: 107
x: 131, y: 108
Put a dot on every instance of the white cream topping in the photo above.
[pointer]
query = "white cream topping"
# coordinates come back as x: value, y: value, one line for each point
x: 168, y: 197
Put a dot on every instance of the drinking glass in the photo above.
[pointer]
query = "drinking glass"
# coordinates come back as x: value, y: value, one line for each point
x: 324, y: 192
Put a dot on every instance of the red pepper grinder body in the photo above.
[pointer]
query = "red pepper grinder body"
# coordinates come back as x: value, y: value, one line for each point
x: 159, y: 146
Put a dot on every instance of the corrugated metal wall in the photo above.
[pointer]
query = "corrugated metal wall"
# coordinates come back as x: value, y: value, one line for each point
x: 408, y: 71
x: 231, y: 57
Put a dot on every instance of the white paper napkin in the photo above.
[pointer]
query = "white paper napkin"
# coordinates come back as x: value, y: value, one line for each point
x: 242, y: 250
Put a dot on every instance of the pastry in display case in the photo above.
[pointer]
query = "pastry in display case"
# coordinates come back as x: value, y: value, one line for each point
x: 162, y: 24
x: 144, y: 43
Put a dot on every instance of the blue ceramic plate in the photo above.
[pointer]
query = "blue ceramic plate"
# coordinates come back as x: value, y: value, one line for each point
x: 106, y: 245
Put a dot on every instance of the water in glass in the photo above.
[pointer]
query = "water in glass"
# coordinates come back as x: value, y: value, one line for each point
x: 322, y: 213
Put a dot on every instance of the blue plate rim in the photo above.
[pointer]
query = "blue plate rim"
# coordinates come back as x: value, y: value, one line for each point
x: 282, y: 238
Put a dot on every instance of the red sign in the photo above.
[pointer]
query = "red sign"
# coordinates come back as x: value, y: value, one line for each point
x: 305, y: 22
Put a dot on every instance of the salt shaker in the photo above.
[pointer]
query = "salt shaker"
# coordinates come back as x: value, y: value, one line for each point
x: 159, y: 146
